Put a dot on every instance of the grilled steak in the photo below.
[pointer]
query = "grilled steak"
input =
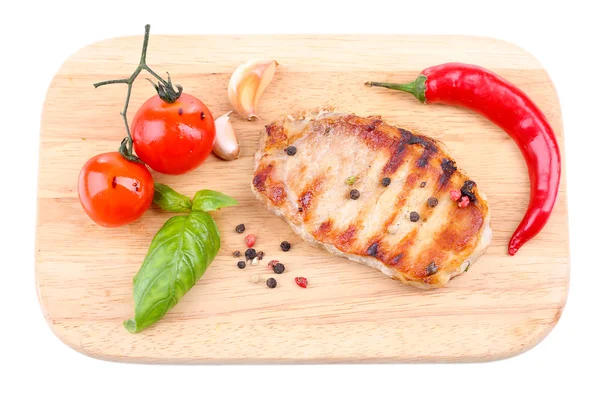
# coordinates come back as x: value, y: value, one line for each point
x: 373, y: 193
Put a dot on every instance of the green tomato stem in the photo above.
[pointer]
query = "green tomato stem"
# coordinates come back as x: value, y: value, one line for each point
x: 165, y: 90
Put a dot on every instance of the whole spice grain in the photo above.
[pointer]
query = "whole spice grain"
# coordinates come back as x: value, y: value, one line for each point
x: 255, y: 278
x: 291, y: 150
x: 272, y: 264
x: 354, y: 194
x: 431, y: 269
x: 455, y: 195
x: 271, y: 283
x: 250, y: 240
x: 240, y: 228
x: 301, y: 281
x: 260, y: 255
x: 351, y: 180
x: 423, y: 184
x: 241, y: 264
x: 237, y: 253
x: 278, y: 268
x: 285, y: 246
x: 250, y: 254
x: 414, y: 216
x: 386, y: 181
x: 464, y: 202
x: 432, y: 202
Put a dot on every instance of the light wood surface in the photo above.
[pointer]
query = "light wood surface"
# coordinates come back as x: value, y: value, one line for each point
x: 349, y: 313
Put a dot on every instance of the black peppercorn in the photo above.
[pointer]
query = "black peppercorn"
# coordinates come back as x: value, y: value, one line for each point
x: 237, y: 253
x: 240, y: 228
x: 432, y: 202
x: 354, y: 194
x: 241, y: 264
x: 423, y: 184
x: 291, y: 150
x: 260, y: 255
x: 278, y: 268
x: 386, y: 181
x: 414, y: 216
x: 271, y: 283
x: 250, y: 253
x: 431, y: 269
x: 285, y: 246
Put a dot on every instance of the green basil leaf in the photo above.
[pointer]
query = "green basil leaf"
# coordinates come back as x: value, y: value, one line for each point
x: 178, y: 256
x: 169, y: 200
x: 210, y: 200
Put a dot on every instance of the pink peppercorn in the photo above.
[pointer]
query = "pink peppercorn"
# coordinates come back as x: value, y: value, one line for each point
x: 250, y: 240
x: 455, y: 194
x: 302, y: 282
x: 464, y: 202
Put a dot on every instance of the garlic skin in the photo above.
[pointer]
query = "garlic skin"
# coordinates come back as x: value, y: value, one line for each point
x: 247, y: 85
x: 226, y: 143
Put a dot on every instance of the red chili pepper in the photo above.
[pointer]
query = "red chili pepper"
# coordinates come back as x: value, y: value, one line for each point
x: 512, y: 110
x: 302, y: 282
x: 250, y: 240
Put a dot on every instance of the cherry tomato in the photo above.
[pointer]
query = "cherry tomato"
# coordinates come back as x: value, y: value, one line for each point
x: 173, y: 138
x: 113, y: 190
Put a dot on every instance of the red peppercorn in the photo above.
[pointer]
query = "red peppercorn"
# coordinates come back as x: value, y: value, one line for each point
x: 464, y: 201
x: 302, y: 282
x: 272, y: 264
x: 455, y: 194
x: 250, y: 240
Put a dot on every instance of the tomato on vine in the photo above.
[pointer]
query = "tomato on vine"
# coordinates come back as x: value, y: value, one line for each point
x: 114, y: 191
x: 173, y: 133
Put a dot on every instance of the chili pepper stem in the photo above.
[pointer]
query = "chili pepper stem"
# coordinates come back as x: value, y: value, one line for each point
x: 164, y: 89
x: 416, y: 87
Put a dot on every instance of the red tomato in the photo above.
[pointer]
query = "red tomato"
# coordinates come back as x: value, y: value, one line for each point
x: 113, y: 190
x: 173, y: 138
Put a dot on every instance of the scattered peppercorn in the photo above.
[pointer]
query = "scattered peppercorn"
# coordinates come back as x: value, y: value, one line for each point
x: 386, y: 181
x: 255, y: 278
x: 464, y: 201
x: 351, y: 180
x: 260, y: 255
x: 237, y: 253
x: 354, y: 194
x: 423, y: 184
x: 302, y: 282
x: 455, y: 195
x: 240, y: 228
x: 250, y: 240
x: 432, y: 202
x: 431, y: 269
x: 278, y: 268
x: 291, y: 150
x: 467, y: 189
x: 271, y: 283
x: 272, y: 264
x: 250, y: 254
x: 241, y: 264
x: 285, y: 246
x: 414, y: 216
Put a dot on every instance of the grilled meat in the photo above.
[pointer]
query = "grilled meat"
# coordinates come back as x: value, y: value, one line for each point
x: 373, y: 193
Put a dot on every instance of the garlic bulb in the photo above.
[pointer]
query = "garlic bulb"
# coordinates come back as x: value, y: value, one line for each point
x: 247, y: 85
x: 226, y: 144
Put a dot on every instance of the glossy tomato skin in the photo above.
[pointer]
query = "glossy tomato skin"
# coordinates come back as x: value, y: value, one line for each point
x: 173, y: 138
x: 113, y: 190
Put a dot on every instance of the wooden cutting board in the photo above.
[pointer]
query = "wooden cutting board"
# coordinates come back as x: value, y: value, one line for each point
x: 349, y: 313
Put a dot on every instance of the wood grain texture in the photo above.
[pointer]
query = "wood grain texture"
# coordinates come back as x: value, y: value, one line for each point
x: 350, y: 313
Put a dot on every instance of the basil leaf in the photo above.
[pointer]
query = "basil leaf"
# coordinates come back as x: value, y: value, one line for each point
x: 178, y: 256
x: 210, y: 200
x: 169, y: 200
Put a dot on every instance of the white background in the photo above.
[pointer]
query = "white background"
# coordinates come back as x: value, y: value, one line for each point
x: 37, y: 38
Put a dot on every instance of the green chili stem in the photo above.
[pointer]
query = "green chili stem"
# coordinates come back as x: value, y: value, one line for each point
x: 128, y: 152
x: 416, y: 87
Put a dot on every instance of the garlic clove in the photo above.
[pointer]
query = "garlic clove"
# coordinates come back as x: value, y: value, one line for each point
x: 226, y: 143
x: 247, y: 85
